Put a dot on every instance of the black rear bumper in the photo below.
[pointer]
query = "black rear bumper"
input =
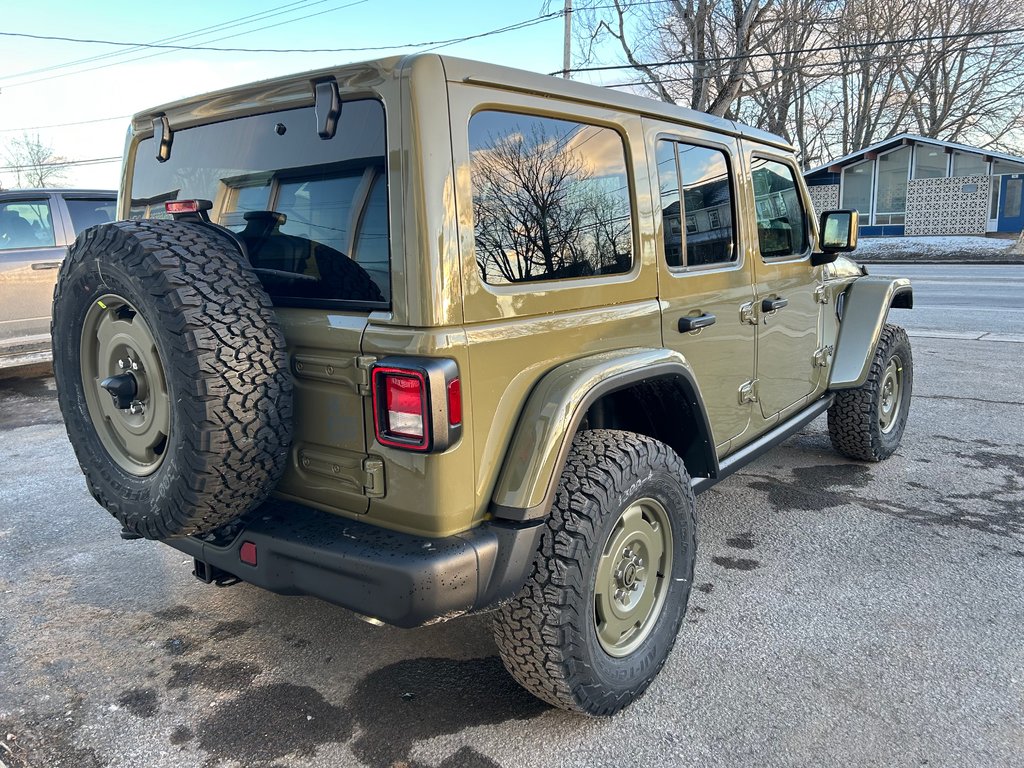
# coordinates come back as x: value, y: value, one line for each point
x: 395, y: 577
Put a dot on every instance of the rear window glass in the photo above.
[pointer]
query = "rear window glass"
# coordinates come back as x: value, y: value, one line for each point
x: 550, y: 199
x: 89, y: 213
x: 311, y: 212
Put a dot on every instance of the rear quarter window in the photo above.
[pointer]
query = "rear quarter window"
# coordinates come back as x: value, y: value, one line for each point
x: 550, y: 199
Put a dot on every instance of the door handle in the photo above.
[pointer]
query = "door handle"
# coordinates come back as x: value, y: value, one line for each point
x: 46, y: 265
x: 771, y: 305
x: 687, y: 324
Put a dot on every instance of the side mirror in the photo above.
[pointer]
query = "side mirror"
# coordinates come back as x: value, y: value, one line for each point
x: 837, y: 234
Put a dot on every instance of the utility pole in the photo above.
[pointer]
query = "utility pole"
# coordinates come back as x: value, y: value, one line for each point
x: 567, y: 42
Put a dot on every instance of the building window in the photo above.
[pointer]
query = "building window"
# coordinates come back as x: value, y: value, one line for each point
x: 706, y: 204
x: 857, y: 187
x: 969, y: 164
x: 1000, y: 167
x: 550, y: 199
x: 891, y: 197
x: 781, y: 223
x: 929, y: 162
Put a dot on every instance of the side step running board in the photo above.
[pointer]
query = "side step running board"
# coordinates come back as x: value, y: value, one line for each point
x: 748, y: 453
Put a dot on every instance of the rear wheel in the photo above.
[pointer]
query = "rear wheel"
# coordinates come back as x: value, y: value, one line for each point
x: 172, y: 376
x: 867, y: 423
x: 601, y: 611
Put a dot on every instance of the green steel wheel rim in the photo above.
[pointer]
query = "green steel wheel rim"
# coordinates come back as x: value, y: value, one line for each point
x: 118, y: 343
x: 890, y: 395
x: 633, y: 576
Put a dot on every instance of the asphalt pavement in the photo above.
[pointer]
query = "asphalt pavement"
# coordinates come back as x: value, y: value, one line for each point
x: 844, y: 614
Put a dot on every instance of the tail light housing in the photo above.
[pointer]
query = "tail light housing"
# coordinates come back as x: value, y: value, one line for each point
x: 417, y: 403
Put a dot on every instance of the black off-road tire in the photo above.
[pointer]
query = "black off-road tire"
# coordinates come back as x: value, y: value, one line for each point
x: 547, y: 635
x: 225, y: 372
x: 853, y: 418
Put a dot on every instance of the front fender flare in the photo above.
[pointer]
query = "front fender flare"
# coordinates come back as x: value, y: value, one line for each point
x: 866, y: 306
x: 556, y: 407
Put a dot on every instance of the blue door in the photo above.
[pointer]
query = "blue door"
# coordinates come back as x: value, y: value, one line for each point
x: 1011, y: 210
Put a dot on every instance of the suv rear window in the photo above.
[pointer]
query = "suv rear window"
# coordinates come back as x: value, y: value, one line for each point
x: 311, y: 212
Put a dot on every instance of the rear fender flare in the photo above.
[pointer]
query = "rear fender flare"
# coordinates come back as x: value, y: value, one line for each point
x: 555, y: 409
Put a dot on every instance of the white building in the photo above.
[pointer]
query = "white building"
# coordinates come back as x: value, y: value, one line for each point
x: 912, y: 185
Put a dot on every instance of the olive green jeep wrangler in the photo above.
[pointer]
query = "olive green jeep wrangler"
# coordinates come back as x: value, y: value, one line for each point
x: 424, y: 337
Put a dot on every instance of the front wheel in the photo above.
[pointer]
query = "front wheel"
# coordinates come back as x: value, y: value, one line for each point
x: 600, y: 613
x: 867, y: 423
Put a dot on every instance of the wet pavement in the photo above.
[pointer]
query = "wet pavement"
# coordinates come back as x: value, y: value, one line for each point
x: 844, y: 614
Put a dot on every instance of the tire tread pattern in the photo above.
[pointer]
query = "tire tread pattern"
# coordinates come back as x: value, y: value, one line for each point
x: 225, y: 356
x: 853, y: 425
x: 538, y: 634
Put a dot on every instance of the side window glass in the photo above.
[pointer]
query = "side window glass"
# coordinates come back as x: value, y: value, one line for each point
x: 25, y: 224
x: 781, y: 221
x: 695, y: 185
x: 550, y: 199
x: 89, y: 213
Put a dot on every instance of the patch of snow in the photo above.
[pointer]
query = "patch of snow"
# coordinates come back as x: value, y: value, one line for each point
x: 934, y: 245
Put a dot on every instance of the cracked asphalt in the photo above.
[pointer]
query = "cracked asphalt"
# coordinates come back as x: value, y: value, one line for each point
x: 844, y: 614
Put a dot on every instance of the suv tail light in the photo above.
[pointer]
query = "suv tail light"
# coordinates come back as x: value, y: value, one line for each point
x: 417, y: 403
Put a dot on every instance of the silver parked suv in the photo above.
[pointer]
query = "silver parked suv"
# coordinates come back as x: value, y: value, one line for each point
x: 36, y: 228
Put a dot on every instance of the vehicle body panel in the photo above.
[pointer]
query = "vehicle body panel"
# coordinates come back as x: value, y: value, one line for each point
x: 533, y: 358
x: 28, y: 271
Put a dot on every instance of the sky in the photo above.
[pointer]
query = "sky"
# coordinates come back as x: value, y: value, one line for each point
x: 32, y: 94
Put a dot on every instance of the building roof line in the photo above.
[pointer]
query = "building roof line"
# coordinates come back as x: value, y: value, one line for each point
x: 914, y: 138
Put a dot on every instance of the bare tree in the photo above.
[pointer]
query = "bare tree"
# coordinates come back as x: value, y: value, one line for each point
x: 714, y: 37
x: 832, y: 76
x: 35, y: 163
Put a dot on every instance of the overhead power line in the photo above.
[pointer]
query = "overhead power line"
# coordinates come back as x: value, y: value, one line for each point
x: 62, y: 164
x: 449, y: 41
x: 816, y: 49
x: 219, y: 27
x: 64, y: 125
x: 161, y: 52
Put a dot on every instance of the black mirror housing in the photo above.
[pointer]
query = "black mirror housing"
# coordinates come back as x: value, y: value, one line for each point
x: 838, y: 233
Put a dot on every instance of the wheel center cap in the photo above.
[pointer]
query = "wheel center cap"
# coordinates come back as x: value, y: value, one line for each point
x: 123, y: 389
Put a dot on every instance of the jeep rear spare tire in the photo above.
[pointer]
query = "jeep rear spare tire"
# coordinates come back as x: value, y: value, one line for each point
x: 172, y: 376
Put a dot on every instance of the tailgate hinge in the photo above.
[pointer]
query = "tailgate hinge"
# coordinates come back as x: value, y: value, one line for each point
x: 748, y: 392
x: 373, y: 477
x: 363, y: 365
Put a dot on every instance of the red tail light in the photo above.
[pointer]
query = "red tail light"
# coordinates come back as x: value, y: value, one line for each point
x: 417, y: 403
x: 405, y: 405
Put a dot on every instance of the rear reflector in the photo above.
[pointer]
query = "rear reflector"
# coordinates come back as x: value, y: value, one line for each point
x: 454, y: 402
x: 247, y: 553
